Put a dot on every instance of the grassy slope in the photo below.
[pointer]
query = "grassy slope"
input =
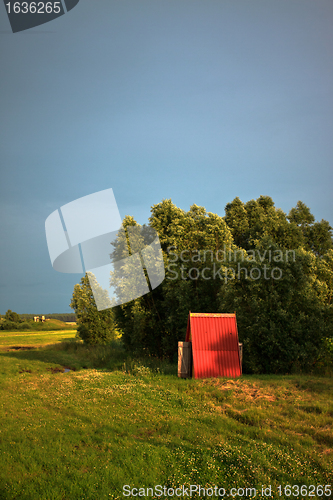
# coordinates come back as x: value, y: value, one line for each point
x: 86, y: 433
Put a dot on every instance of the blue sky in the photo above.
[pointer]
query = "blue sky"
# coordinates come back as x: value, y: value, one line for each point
x: 197, y: 101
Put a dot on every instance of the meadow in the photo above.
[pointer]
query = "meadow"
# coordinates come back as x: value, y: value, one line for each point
x: 17, y: 340
x: 81, y: 422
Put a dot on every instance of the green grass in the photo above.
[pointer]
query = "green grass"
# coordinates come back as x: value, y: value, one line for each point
x: 85, y: 433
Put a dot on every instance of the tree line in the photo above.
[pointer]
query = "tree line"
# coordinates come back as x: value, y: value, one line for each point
x: 275, y: 270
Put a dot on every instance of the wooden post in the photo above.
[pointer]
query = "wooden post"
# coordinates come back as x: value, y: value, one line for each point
x: 185, y: 359
x: 241, y: 355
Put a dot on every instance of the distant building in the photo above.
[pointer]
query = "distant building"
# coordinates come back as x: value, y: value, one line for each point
x: 37, y: 319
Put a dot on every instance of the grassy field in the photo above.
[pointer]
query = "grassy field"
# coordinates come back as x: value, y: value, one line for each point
x: 112, y: 421
x: 22, y: 339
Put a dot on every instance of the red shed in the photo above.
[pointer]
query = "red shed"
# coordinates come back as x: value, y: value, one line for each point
x: 215, y: 345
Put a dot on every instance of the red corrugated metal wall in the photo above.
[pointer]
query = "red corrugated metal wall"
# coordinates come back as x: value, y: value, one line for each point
x: 214, y: 345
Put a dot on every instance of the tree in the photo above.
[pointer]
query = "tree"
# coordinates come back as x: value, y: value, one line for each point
x: 282, y: 309
x: 282, y: 322
x: 284, y: 317
x: 12, y: 316
x: 94, y: 327
x: 317, y: 236
x: 250, y: 222
x: 301, y: 215
x: 138, y: 319
x: 11, y: 321
x: 154, y: 323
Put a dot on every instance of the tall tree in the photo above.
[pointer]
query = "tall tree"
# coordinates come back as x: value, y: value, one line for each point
x: 190, y: 242
x: 12, y: 316
x: 282, y: 306
x: 250, y: 222
x: 317, y: 236
x: 275, y: 271
x: 94, y: 327
x: 138, y: 318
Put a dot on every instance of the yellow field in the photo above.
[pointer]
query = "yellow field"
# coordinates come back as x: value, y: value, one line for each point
x: 36, y: 339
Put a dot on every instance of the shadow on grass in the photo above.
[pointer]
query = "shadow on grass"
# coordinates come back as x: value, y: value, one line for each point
x: 315, y: 385
x: 76, y: 356
x: 70, y: 353
x: 26, y: 346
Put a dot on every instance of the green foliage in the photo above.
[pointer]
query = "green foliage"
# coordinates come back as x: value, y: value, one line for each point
x: 94, y: 327
x: 274, y: 270
x: 252, y: 221
x: 282, y: 322
x: 301, y: 215
x: 9, y: 325
x: 65, y: 317
x: 317, y: 236
x: 155, y: 322
x: 325, y: 361
x: 13, y: 321
x: 25, y: 325
x: 12, y: 316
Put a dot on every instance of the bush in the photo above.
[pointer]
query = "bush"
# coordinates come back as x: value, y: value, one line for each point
x: 12, y: 316
x: 95, y: 333
x: 9, y: 325
x: 25, y: 325
x: 324, y: 365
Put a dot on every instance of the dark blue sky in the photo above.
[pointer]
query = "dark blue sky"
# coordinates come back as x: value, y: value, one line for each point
x: 197, y: 101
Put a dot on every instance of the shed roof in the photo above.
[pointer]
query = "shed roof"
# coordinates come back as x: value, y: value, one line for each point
x: 215, y: 346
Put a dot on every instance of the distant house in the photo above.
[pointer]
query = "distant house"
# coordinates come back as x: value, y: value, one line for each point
x: 37, y: 319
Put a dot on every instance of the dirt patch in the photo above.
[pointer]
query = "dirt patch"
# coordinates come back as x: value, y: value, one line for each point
x: 57, y: 369
x: 243, y: 390
x: 21, y: 347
